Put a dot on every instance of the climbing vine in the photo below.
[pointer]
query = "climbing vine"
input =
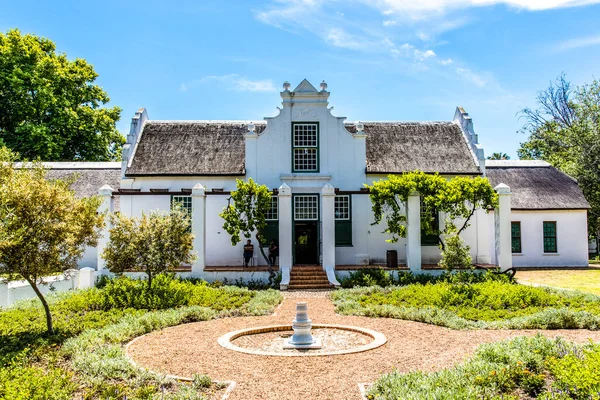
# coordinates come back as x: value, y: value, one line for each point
x: 456, y: 199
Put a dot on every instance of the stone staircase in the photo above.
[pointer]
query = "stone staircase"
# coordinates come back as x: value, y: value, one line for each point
x: 303, y: 277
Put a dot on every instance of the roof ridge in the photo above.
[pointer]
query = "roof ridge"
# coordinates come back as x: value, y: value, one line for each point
x: 204, y: 121
x: 400, y: 122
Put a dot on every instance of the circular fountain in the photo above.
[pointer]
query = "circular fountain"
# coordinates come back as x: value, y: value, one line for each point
x: 302, y: 338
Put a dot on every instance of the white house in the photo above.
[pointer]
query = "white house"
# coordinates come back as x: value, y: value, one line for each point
x: 317, y: 165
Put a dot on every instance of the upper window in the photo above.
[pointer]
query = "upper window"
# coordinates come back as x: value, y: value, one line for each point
x: 184, y: 201
x: 515, y: 232
x: 306, y: 207
x: 273, y: 212
x: 305, y: 147
x: 550, y: 237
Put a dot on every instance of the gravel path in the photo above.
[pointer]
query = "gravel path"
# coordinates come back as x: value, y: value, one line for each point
x: 192, y: 348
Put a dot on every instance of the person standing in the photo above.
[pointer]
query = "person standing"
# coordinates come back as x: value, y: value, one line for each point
x: 273, y: 252
x: 248, y: 252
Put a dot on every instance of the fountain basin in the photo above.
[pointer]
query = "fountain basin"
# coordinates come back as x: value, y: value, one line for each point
x: 335, y: 339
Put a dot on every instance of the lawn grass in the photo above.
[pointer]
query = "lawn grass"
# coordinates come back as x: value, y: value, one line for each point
x: 521, y: 368
x: 482, y: 305
x: 85, y: 357
x: 583, y: 280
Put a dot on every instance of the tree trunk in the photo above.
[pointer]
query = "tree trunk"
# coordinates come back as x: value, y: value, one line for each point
x: 39, y: 294
x: 270, y: 266
x: 149, y: 279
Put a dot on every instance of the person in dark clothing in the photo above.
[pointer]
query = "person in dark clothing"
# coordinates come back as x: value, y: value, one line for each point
x: 273, y: 252
x: 248, y: 252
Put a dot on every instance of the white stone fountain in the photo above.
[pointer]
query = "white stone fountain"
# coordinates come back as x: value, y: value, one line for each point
x: 302, y: 338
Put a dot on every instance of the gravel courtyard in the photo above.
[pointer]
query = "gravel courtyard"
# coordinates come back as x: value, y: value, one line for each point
x: 192, y: 348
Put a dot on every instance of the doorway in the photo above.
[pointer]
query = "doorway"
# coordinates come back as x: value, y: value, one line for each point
x: 306, y: 240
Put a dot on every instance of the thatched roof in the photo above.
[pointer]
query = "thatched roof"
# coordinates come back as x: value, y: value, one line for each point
x: 395, y: 147
x: 536, y: 185
x: 90, y: 177
x: 191, y: 148
x: 217, y: 148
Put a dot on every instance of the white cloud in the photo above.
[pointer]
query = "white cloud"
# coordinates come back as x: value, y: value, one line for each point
x: 231, y: 82
x: 425, y: 9
x: 577, y: 43
x: 447, y: 61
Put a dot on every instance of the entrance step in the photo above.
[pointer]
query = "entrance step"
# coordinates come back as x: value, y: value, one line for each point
x: 308, y: 277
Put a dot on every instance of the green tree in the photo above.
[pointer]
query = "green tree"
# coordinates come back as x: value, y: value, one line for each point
x: 457, y: 199
x: 247, y: 215
x: 44, y: 228
x: 50, y: 108
x: 499, y: 156
x: 565, y: 131
x: 153, y: 243
x: 456, y: 254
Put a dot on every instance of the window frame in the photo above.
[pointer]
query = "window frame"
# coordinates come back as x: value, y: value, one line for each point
x: 186, y: 203
x: 513, y: 237
x: 269, y: 215
x: 295, y: 208
x: 343, y: 223
x: 317, y: 147
x: 555, y: 237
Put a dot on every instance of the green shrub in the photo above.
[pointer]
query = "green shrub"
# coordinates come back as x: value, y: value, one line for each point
x: 169, y: 291
x: 35, y: 383
x: 380, y: 277
x: 367, y: 277
x: 489, y: 304
x: 201, y: 381
x: 577, y: 372
x: 455, y: 254
x: 503, y: 370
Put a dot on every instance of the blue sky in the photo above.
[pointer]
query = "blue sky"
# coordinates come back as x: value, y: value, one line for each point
x: 382, y: 59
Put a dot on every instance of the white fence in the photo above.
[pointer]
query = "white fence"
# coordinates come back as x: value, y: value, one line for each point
x: 74, y: 279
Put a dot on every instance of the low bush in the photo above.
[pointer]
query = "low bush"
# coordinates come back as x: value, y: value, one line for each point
x: 519, y: 368
x: 169, y: 291
x: 381, y: 277
x: 489, y: 304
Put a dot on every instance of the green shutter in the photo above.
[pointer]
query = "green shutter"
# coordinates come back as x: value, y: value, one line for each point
x: 343, y: 233
x: 515, y: 230
x: 271, y: 232
x: 550, y: 237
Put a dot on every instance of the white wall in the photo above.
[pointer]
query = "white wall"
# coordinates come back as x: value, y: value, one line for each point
x: 571, y: 238
x: 11, y: 292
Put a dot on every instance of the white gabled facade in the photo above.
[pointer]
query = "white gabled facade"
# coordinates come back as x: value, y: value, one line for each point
x: 316, y: 164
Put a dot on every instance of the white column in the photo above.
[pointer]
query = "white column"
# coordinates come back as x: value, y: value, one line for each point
x: 483, y: 242
x: 199, y: 227
x: 328, y: 231
x: 285, y: 234
x: 503, y: 234
x: 106, y: 207
x: 413, y: 232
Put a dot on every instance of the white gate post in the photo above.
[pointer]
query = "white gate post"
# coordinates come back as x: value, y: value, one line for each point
x: 285, y: 234
x: 199, y: 227
x: 328, y: 231
x: 413, y: 232
x: 502, y: 222
x: 107, y: 206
